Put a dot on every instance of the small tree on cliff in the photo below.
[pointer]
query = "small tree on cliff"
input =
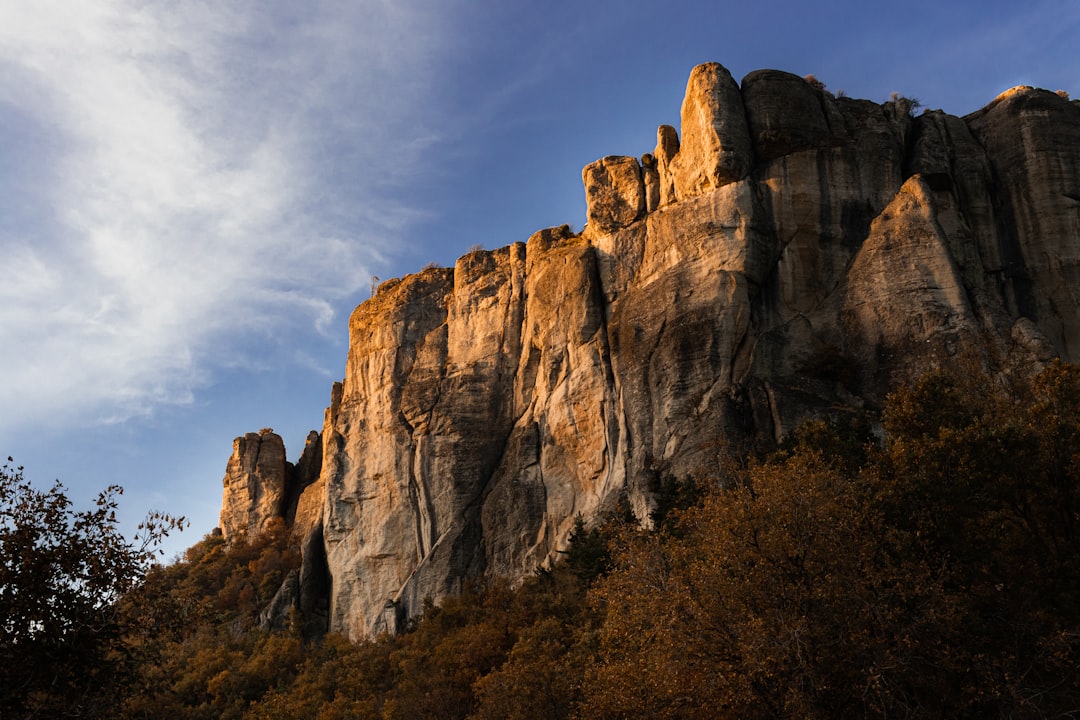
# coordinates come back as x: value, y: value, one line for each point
x: 62, y: 571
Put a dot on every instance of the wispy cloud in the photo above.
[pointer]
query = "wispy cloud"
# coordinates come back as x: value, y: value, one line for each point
x: 189, y: 179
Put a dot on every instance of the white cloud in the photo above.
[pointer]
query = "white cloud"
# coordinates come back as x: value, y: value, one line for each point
x: 194, y: 176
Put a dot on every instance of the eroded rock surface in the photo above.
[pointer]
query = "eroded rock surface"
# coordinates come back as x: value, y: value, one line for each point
x: 715, y: 147
x: 615, y: 192
x: 793, y: 256
x: 1032, y: 143
x: 262, y: 486
x: 254, y: 484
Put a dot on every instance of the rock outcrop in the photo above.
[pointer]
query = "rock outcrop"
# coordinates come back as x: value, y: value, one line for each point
x: 1032, y: 143
x: 615, y: 192
x: 254, y: 483
x: 261, y: 486
x: 715, y: 147
x: 793, y: 256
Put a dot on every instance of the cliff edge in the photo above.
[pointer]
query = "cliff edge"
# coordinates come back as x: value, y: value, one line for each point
x: 788, y: 254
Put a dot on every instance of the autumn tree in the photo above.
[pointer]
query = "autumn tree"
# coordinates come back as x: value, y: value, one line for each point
x: 983, y: 480
x: 195, y: 625
x: 922, y: 562
x: 933, y: 575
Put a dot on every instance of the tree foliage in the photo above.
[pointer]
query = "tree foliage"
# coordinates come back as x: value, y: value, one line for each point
x: 204, y: 653
x: 935, y: 575
x: 62, y: 573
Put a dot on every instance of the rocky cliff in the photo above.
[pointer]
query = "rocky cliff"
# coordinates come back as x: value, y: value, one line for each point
x: 261, y: 485
x: 792, y: 254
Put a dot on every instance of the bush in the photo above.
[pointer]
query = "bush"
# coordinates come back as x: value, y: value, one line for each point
x: 813, y: 82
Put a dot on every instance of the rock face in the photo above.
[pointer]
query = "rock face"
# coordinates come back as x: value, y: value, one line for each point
x: 254, y: 483
x: 715, y: 143
x: 261, y: 486
x: 795, y: 255
x: 1031, y: 140
x: 615, y: 192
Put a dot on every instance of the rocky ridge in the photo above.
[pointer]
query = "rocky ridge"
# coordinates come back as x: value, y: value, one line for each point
x: 794, y: 254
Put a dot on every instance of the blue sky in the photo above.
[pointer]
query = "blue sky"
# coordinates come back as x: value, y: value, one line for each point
x: 195, y: 194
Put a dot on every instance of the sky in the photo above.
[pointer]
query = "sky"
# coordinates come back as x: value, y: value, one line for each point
x: 195, y: 194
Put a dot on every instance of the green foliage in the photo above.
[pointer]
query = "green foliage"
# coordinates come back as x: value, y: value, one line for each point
x: 586, y: 556
x: 62, y: 573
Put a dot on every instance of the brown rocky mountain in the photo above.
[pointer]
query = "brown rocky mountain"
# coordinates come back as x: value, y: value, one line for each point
x: 794, y: 254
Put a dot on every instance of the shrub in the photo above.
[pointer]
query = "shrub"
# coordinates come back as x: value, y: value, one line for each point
x: 814, y: 82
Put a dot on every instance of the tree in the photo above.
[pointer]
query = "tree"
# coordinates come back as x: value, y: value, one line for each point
x: 62, y: 573
x: 586, y: 554
x: 769, y: 600
x: 932, y: 575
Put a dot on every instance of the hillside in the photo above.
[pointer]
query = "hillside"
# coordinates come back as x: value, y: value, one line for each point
x: 934, y: 572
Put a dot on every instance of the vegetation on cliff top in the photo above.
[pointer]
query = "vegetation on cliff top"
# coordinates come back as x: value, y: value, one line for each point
x: 931, y: 573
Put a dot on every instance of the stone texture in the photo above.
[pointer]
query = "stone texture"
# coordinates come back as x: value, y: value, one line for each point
x: 261, y: 485
x: 905, y: 297
x: 1032, y: 140
x: 723, y: 291
x: 301, y: 477
x: 715, y: 147
x: 313, y: 585
x: 784, y: 114
x: 255, y: 478
x: 650, y: 176
x: 277, y: 614
x: 667, y: 147
x: 614, y: 192
x: 304, y: 594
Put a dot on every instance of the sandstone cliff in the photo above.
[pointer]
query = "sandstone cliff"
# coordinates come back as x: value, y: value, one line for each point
x: 793, y: 254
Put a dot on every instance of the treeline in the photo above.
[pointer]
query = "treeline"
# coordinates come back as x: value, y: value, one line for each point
x: 923, y: 565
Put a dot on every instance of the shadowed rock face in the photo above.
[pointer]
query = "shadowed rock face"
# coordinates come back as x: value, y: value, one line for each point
x: 795, y: 254
x: 1032, y: 142
x: 786, y: 114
